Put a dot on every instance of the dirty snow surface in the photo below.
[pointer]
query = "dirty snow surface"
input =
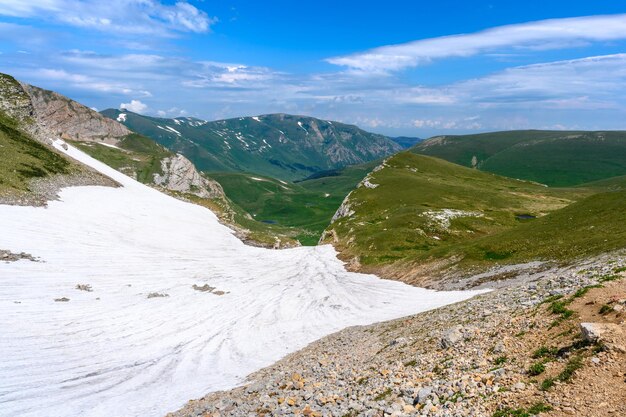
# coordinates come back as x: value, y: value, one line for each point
x: 113, y: 351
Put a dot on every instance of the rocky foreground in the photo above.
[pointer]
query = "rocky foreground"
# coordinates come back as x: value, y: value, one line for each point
x: 550, y: 344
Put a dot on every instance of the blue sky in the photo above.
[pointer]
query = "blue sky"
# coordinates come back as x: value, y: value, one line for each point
x: 395, y: 67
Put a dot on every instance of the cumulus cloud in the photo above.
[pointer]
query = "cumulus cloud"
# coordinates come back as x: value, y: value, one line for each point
x: 136, y: 106
x: 466, y: 123
x: 152, y: 17
x: 545, y: 34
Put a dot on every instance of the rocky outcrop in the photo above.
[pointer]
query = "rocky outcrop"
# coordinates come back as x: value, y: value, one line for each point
x: 67, y: 119
x: 179, y: 174
x: 14, y: 101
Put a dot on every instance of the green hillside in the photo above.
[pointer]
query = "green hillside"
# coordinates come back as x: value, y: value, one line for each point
x: 24, y: 159
x: 135, y: 155
x: 418, y: 208
x: 278, y: 145
x: 591, y: 226
x: 555, y: 158
x: 306, y: 206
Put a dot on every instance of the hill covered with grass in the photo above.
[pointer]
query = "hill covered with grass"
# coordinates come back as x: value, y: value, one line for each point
x: 24, y: 159
x: 554, y: 158
x: 417, y: 214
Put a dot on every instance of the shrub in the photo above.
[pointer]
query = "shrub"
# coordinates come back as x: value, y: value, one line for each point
x: 536, y: 369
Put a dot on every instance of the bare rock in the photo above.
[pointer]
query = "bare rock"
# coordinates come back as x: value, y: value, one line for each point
x: 611, y: 335
x: 452, y: 336
x: 68, y: 119
x: 179, y: 174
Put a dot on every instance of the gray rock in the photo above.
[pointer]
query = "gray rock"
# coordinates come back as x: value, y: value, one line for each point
x: 591, y: 331
x: 452, y: 336
x: 422, y: 395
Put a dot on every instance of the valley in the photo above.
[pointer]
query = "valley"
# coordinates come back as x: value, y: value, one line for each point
x: 137, y: 271
x: 137, y: 301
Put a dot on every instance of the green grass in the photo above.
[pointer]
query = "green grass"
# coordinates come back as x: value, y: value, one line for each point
x: 535, y: 409
x: 571, y: 367
x: 391, y: 223
x: 306, y: 207
x: 500, y: 360
x: 137, y: 155
x: 536, y: 368
x: 545, y: 352
x: 588, y: 227
x: 605, y: 309
x: 24, y: 159
x: 555, y: 158
x: 559, y: 307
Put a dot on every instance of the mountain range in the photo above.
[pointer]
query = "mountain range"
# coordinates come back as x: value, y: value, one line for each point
x: 282, y: 146
x: 536, y: 216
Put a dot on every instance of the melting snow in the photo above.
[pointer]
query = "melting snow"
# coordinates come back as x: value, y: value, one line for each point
x: 121, y: 117
x: 300, y: 124
x: 170, y: 129
x: 108, y: 145
x: 115, y: 352
x: 256, y: 118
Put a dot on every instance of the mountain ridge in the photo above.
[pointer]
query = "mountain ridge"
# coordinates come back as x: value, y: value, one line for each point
x: 555, y: 158
x: 279, y: 145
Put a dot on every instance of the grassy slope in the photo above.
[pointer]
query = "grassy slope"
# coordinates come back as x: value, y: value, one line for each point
x: 305, y: 207
x: 22, y: 158
x: 390, y: 223
x: 138, y: 154
x: 588, y: 227
x: 555, y: 158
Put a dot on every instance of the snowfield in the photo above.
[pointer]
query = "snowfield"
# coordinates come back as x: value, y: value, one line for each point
x: 114, y: 351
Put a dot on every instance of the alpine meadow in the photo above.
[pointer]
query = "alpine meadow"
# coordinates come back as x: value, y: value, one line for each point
x: 349, y: 209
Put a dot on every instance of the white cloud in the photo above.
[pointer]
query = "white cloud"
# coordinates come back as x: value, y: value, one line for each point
x: 136, y: 106
x: 466, y: 123
x: 151, y: 17
x: 545, y: 34
x: 82, y: 82
x: 172, y: 112
x: 577, y: 82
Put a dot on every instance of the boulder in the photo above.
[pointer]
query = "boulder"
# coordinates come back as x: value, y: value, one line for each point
x: 452, y: 336
x: 611, y: 335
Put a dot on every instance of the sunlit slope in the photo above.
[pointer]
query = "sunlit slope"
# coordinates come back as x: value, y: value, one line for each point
x: 591, y: 226
x: 555, y: 158
x: 419, y: 209
x: 306, y: 207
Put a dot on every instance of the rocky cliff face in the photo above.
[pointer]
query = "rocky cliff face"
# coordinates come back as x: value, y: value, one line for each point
x: 14, y: 101
x: 179, y: 174
x: 47, y: 115
x: 67, y: 119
